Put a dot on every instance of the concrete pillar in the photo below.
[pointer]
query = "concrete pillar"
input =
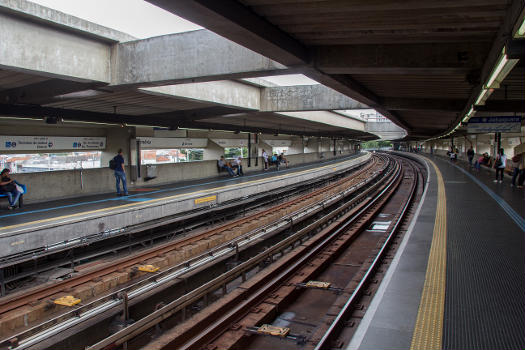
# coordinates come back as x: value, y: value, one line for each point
x: 297, y: 146
x: 212, y: 151
x: 116, y: 138
x: 312, y: 145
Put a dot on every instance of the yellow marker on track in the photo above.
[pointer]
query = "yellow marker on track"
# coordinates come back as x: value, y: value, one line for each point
x: 68, y: 300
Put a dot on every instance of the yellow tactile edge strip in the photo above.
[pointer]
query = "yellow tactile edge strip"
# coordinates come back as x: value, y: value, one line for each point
x: 428, y: 331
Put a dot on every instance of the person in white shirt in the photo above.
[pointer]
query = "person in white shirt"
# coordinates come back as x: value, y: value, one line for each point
x: 238, y: 161
x: 265, y: 158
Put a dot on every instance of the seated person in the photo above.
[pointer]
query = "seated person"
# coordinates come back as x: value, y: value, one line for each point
x: 275, y: 160
x: 238, y: 164
x: 9, y: 186
x: 283, y: 160
x: 223, y: 164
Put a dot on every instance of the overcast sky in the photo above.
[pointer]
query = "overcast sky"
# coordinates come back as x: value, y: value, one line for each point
x: 134, y: 17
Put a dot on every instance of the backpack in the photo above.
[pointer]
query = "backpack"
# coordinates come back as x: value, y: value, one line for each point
x: 498, y: 163
x: 112, y: 164
x: 274, y: 158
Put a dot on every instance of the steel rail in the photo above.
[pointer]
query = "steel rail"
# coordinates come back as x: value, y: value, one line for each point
x: 202, y: 337
x: 77, y: 316
x: 342, y: 316
x: 11, y: 302
x: 168, y: 310
x: 240, y: 306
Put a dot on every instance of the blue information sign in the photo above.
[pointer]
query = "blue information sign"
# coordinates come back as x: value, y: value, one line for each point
x: 479, y: 125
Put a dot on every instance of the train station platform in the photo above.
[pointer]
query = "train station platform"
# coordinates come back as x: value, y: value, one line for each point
x: 58, y: 224
x: 458, y: 278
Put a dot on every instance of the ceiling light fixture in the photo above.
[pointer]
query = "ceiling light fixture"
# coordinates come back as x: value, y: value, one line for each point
x: 86, y: 122
x: 502, y: 69
x: 20, y: 118
x: 483, y: 96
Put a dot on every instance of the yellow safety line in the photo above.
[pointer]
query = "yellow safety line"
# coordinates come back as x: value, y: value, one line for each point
x: 141, y: 204
x: 428, y: 330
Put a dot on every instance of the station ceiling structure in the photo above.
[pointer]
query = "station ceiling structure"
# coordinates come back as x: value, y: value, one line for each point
x: 60, y: 68
x: 423, y: 64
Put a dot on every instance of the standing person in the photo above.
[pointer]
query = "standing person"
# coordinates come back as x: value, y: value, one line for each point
x: 8, y: 186
x: 238, y: 161
x: 470, y: 156
x: 521, y: 174
x: 265, y: 158
x: 452, y: 155
x: 515, y: 168
x: 499, y: 164
x: 120, y: 173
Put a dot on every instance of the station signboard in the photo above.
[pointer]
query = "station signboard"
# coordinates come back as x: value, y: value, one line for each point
x: 171, y: 142
x: 231, y: 142
x: 279, y: 143
x: 50, y: 143
x: 480, y: 125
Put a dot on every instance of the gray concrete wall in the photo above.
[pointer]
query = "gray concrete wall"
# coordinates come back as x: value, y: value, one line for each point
x: 75, y: 228
x: 305, y: 98
x: 47, y: 186
x: 50, y: 52
x: 385, y: 130
x: 193, y: 56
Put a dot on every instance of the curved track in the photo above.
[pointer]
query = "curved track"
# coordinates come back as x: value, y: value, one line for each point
x: 288, y: 214
x: 234, y: 320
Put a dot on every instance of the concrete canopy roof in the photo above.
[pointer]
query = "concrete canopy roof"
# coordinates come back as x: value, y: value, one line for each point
x: 422, y: 64
x: 59, y: 66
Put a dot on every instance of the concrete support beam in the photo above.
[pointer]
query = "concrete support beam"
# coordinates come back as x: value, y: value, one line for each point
x: 237, y: 22
x: 49, y: 51
x: 400, y: 58
x: 187, y: 57
x: 52, y: 18
x: 329, y: 118
x: 305, y: 98
x: 226, y: 93
x: 385, y: 130
x: 44, y: 92
x: 171, y: 119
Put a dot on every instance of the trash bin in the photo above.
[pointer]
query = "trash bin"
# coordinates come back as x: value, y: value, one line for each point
x: 151, y: 172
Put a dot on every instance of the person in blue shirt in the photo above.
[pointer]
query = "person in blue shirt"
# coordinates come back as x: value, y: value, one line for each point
x: 7, y: 186
x: 120, y: 174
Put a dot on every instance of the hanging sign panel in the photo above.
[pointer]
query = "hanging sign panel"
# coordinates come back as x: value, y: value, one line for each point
x: 171, y: 142
x: 231, y: 142
x: 50, y: 143
x: 478, y: 125
x: 279, y: 143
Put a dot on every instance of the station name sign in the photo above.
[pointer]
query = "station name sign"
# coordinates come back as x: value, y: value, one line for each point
x: 231, y: 142
x: 50, y: 143
x: 479, y: 125
x: 171, y: 142
x: 279, y: 143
